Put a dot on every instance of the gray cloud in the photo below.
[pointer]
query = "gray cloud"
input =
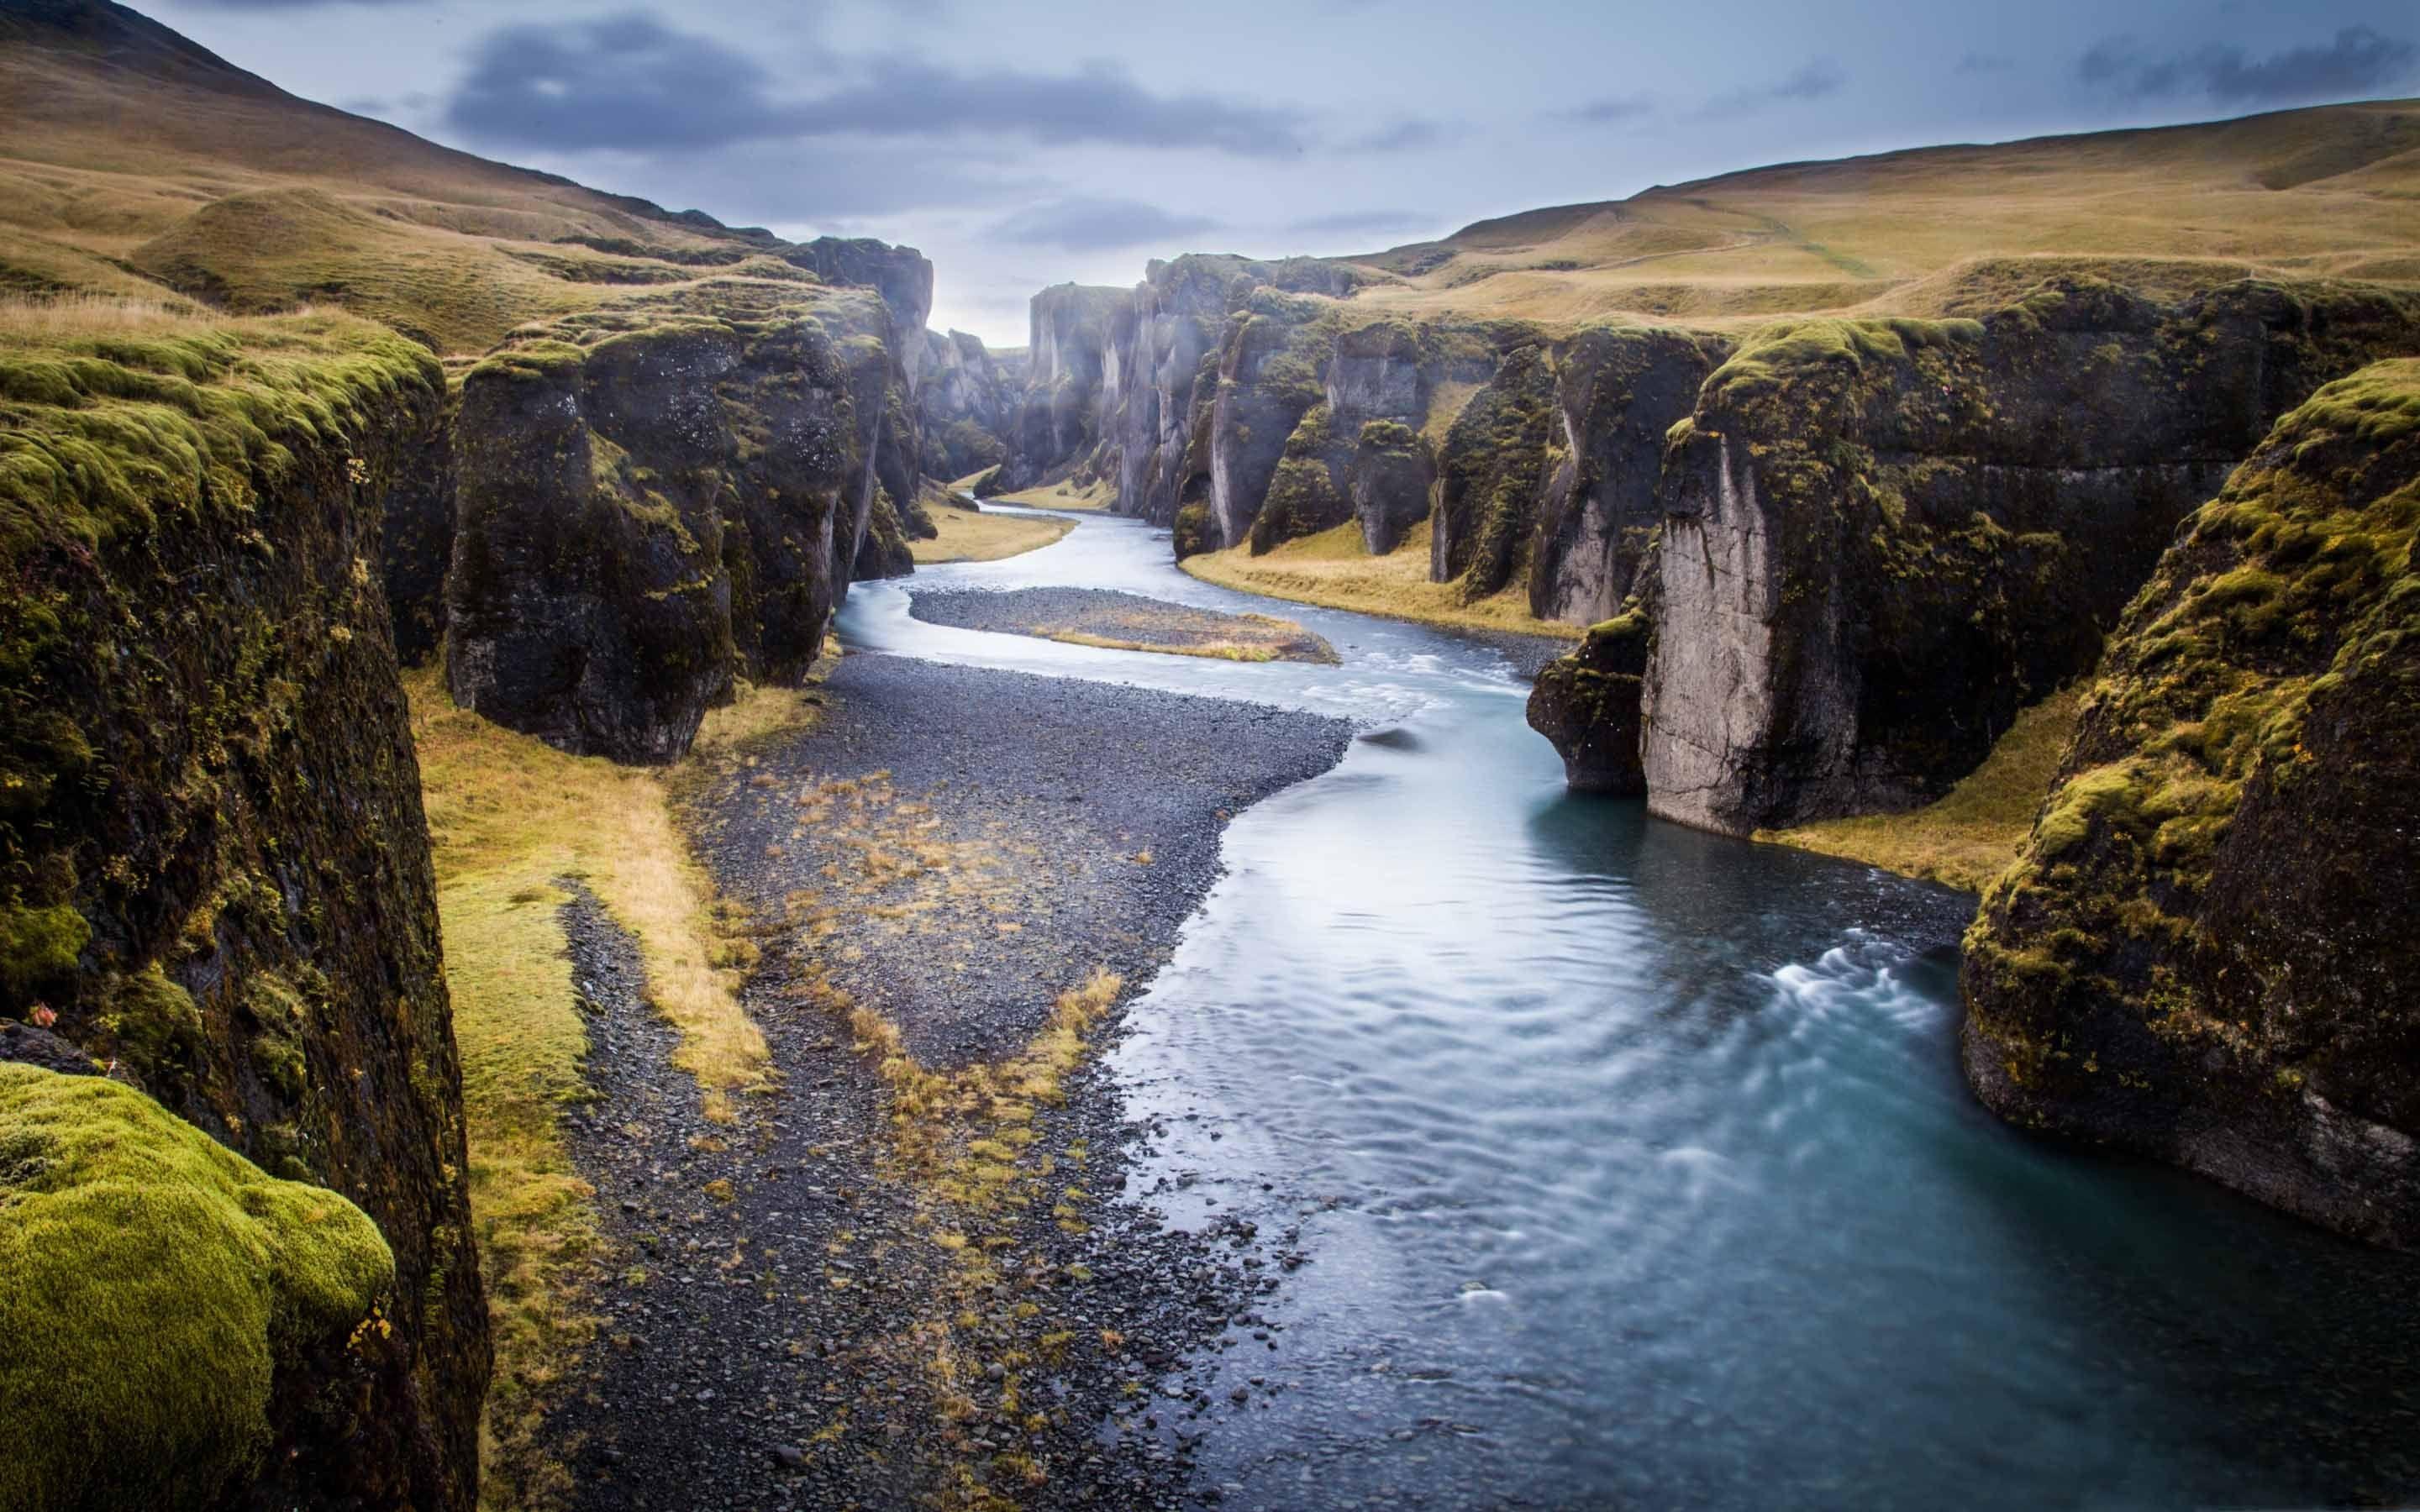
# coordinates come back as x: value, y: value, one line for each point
x: 1610, y: 109
x: 294, y: 5
x: 1404, y: 136
x: 1812, y: 80
x: 1985, y: 63
x: 2360, y: 61
x: 631, y: 82
x: 1084, y: 225
x: 1351, y: 221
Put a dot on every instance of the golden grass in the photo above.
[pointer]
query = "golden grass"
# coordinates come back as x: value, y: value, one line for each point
x: 2293, y: 193
x: 1097, y: 496
x: 969, y: 535
x: 127, y: 167
x: 1335, y: 569
x: 1215, y: 650
x: 44, y: 318
x: 1974, y: 831
x: 508, y: 816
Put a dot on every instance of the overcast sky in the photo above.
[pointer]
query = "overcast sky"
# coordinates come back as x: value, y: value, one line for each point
x: 1020, y: 144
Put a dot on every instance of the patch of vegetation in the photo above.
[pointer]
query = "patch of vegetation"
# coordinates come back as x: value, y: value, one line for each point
x: 151, y: 1281
x: 1976, y: 830
x: 510, y: 817
x: 1335, y: 569
x: 972, y: 535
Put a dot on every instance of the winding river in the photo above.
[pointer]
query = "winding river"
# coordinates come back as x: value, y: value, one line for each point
x: 1635, y: 1166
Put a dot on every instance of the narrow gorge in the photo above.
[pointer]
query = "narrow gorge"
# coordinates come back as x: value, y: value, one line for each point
x: 1744, y: 846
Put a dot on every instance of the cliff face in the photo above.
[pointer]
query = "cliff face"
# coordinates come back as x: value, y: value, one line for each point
x: 214, y: 874
x: 1070, y: 361
x: 655, y: 498
x: 2205, y: 952
x: 1881, y: 538
x: 969, y: 400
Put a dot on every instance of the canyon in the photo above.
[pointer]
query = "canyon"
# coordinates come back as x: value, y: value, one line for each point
x: 1806, y: 545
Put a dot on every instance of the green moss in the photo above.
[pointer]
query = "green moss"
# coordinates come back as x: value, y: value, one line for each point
x: 39, y: 944
x: 151, y: 1021
x: 151, y: 1281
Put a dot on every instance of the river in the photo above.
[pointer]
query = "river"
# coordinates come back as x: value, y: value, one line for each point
x: 1634, y: 1165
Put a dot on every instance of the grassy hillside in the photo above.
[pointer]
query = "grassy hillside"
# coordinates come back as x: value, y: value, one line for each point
x: 133, y: 161
x: 1952, y: 229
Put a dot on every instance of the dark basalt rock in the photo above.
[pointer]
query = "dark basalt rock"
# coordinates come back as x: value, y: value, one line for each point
x: 214, y: 871
x: 417, y: 545
x: 655, y: 500
x: 1618, y: 392
x: 1587, y: 703
x: 2206, y: 951
x: 1882, y: 538
x: 1390, y: 478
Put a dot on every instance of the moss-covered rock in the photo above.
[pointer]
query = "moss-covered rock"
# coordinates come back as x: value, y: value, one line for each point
x: 214, y: 872
x: 1491, y: 471
x: 158, y: 1295
x: 1587, y: 703
x: 1617, y: 393
x: 1392, y: 473
x: 2206, y: 951
x: 656, y: 497
x: 1192, y: 532
x: 1882, y: 538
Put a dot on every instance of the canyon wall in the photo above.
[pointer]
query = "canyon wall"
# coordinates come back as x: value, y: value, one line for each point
x: 215, y: 887
x: 969, y: 400
x: 1882, y: 538
x: 2205, y: 952
x: 660, y: 496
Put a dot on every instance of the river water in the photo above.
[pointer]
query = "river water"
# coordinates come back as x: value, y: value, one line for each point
x: 1635, y: 1166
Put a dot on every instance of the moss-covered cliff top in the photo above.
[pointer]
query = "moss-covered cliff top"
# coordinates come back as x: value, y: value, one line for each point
x: 113, y: 415
x: 743, y: 307
x: 151, y: 1281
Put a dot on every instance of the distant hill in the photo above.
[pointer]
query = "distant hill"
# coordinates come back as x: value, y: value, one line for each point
x: 132, y: 159
x: 2332, y: 191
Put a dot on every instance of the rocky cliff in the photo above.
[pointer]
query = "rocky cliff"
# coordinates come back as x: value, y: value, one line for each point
x: 215, y: 884
x: 968, y: 401
x: 2205, y: 952
x: 1872, y: 542
x: 660, y: 496
x: 1880, y: 539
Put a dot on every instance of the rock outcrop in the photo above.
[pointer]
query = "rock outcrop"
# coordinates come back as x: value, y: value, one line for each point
x: 214, y: 872
x: 2206, y: 951
x: 656, y: 497
x: 1070, y: 361
x: 968, y: 401
x: 416, y: 548
x: 1882, y: 538
x: 1587, y: 705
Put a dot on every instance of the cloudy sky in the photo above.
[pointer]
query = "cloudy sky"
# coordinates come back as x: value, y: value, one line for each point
x: 1021, y: 144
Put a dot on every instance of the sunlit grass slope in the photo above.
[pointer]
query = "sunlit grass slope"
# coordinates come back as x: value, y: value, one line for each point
x: 2327, y: 190
x: 1335, y: 569
x: 133, y: 161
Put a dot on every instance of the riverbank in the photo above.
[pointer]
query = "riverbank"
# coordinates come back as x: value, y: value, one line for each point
x: 1123, y: 622
x: 969, y: 534
x: 1974, y: 832
x: 901, y: 1273
x: 1335, y: 570
x: 1095, y: 498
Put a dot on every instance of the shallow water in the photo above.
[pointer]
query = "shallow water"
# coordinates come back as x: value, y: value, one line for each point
x: 1635, y: 1164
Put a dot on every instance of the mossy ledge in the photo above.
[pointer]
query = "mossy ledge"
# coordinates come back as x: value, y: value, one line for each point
x: 2204, y: 954
x: 214, y: 874
x: 157, y: 1292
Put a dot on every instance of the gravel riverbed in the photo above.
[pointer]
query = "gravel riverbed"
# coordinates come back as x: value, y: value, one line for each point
x: 789, y: 1317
